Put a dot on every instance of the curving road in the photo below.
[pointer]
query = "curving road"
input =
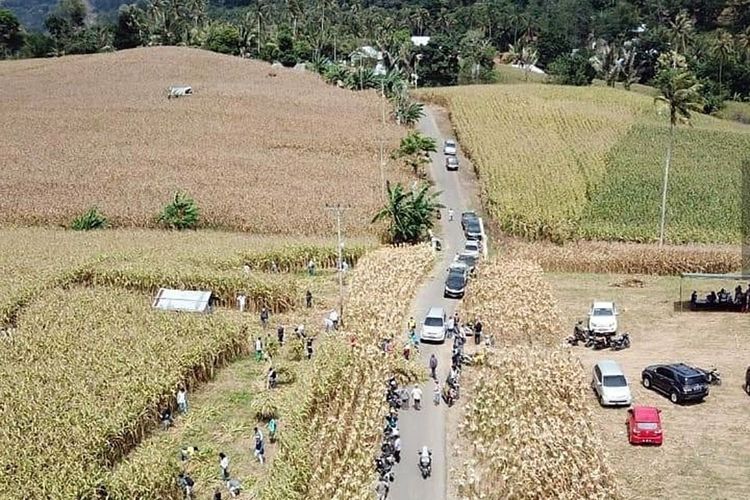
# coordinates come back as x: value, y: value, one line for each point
x: 428, y: 426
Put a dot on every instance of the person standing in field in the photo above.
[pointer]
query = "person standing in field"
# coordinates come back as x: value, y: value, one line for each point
x: 308, y: 299
x: 246, y: 269
x: 258, y: 349
x: 224, y: 466
x: 309, y: 348
x: 311, y: 267
x: 217, y: 493
x: 280, y: 334
x: 182, y: 400
x: 259, y: 447
x: 272, y: 429
x: 241, y: 298
x: 264, y: 317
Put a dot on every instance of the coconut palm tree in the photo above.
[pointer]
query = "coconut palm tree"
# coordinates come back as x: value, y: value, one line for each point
x: 409, y: 214
x: 682, y: 31
x: 722, y: 49
x: 681, y: 95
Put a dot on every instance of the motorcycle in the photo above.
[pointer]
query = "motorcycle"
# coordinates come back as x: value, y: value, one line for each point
x: 621, y: 342
x: 713, y: 376
x: 425, y: 462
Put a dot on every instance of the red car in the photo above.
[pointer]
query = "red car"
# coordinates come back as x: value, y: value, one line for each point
x: 644, y: 425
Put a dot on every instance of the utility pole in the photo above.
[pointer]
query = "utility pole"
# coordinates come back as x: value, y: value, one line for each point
x: 338, y: 211
x: 382, y: 146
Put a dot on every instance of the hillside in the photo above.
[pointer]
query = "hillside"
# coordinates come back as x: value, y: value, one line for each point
x: 261, y: 149
x: 565, y: 162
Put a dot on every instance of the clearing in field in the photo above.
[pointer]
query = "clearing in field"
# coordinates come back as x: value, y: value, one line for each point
x: 706, y: 446
x: 260, y: 149
x: 560, y: 162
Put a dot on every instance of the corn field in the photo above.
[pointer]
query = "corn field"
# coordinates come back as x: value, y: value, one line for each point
x: 260, y: 149
x: 516, y: 305
x: 628, y: 258
x: 561, y: 163
x: 82, y: 380
x: 530, y: 432
x: 343, y: 396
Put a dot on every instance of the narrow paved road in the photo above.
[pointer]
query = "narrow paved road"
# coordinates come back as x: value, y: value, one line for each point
x: 427, y: 426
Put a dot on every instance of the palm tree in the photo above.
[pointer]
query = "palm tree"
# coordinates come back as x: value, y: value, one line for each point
x: 722, y: 49
x: 681, y: 94
x: 683, y: 30
x: 409, y: 214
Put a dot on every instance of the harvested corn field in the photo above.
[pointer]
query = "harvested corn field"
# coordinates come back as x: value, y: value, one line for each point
x: 260, y: 149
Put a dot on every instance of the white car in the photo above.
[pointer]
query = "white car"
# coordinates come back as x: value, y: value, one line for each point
x: 603, y: 317
x: 472, y: 247
x: 433, y: 327
x: 610, y: 385
x: 450, y: 148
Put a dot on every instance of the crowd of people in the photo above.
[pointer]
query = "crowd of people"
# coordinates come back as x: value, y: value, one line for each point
x: 740, y: 300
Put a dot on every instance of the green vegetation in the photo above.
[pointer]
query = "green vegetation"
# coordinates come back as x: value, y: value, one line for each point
x: 560, y: 163
x: 92, y: 219
x: 409, y: 214
x: 181, y: 213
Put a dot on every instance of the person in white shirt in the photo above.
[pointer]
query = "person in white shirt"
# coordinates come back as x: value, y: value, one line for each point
x: 450, y: 214
x: 416, y: 393
x: 334, y: 317
x: 241, y: 301
x: 397, y: 449
x: 258, y: 349
x: 224, y: 465
x: 182, y: 400
x: 246, y: 269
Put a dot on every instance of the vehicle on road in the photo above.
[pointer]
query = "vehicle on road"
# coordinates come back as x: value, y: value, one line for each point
x: 747, y: 381
x: 603, y: 317
x: 450, y: 148
x: 467, y: 259
x: 610, y: 384
x: 455, y: 283
x: 467, y: 216
x: 644, y: 425
x: 678, y: 381
x: 472, y: 247
x: 433, y: 327
x: 425, y: 462
x: 451, y: 163
x: 472, y: 230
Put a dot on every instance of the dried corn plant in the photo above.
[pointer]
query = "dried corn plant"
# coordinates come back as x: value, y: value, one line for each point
x: 82, y: 382
x: 628, y: 258
x: 259, y: 154
x: 530, y: 432
x: 514, y: 302
x: 342, y: 397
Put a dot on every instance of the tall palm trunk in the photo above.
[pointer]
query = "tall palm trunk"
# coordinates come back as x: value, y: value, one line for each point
x: 664, y: 186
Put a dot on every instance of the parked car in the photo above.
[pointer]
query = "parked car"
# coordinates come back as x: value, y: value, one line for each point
x: 450, y: 148
x: 644, y: 425
x: 678, y: 381
x: 472, y: 247
x: 610, y: 384
x: 468, y: 259
x: 603, y: 317
x: 433, y: 327
x: 455, y: 283
x: 468, y: 216
x: 473, y: 230
x: 451, y: 163
x: 747, y: 381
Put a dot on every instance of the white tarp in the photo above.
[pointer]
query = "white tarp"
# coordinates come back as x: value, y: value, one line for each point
x: 169, y: 299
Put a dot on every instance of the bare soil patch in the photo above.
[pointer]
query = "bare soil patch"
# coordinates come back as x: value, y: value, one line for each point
x: 259, y: 153
x: 706, y: 450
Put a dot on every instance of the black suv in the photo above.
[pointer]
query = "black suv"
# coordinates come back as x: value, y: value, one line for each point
x: 678, y: 381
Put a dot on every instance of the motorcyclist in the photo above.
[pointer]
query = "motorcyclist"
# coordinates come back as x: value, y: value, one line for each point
x: 425, y: 459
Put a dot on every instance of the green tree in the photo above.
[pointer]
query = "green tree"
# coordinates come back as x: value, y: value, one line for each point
x: 682, y: 31
x: 680, y: 92
x: 131, y: 27
x: 574, y: 69
x: 181, y: 213
x: 406, y: 111
x: 722, y: 49
x: 409, y: 214
x: 11, y: 35
x: 416, y: 149
x: 223, y: 38
x: 38, y: 45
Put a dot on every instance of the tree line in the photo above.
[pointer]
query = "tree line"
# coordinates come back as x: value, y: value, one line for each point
x: 574, y: 41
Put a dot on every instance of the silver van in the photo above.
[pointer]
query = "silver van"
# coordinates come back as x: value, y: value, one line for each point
x: 610, y: 385
x: 433, y: 327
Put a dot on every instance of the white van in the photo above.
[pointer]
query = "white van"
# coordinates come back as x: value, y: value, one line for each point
x: 433, y: 327
x: 610, y: 385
